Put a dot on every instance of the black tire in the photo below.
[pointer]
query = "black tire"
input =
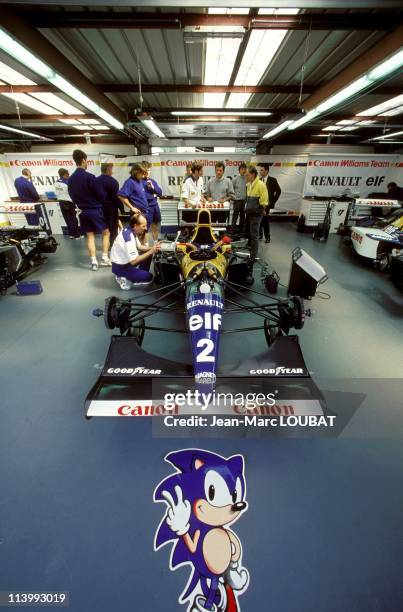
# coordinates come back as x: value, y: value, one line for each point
x: 111, y: 313
x: 270, y: 333
x: 383, y: 262
x: 137, y: 331
x: 299, y: 313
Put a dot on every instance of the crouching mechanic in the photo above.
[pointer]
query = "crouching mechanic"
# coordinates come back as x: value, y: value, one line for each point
x: 130, y: 266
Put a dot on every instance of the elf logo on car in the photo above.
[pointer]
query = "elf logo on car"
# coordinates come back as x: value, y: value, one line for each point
x: 277, y: 371
x: 133, y: 371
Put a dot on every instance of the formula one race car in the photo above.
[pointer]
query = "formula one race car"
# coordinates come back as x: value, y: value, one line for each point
x: 22, y: 250
x: 206, y: 279
x: 380, y: 241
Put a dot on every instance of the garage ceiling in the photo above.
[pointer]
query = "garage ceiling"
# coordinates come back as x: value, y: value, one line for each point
x: 157, y: 64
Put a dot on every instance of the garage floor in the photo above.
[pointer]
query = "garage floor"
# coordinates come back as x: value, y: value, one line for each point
x: 324, y: 526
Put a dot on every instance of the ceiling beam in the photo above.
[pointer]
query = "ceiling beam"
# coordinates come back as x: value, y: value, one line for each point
x: 21, y: 29
x: 182, y: 88
x: 382, y: 20
x: 379, y: 52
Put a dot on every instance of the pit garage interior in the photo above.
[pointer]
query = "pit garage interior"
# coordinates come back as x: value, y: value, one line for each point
x: 300, y: 86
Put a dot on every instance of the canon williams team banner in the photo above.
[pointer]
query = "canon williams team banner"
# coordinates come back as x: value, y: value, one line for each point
x: 329, y: 176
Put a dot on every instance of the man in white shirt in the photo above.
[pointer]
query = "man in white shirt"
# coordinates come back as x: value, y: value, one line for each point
x: 67, y: 206
x: 192, y: 188
x: 128, y: 265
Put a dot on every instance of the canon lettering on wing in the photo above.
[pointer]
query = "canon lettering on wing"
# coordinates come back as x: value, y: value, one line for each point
x: 277, y: 371
x: 133, y: 371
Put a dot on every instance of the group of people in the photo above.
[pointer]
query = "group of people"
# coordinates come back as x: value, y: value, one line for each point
x: 126, y: 249
x: 253, y: 197
x: 99, y: 200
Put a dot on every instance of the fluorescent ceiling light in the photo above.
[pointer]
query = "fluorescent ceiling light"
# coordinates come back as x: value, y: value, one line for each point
x: 386, y: 136
x: 235, y: 113
x: 32, y: 103
x: 13, y: 48
x: 331, y: 128
x: 366, y: 122
x: 277, y: 129
x: 20, y: 53
x: 347, y: 122
x: 102, y: 127
x: 12, y: 77
x: 8, y: 128
x: 311, y: 115
x: 395, y: 111
x: 381, y: 108
x: 350, y: 90
x: 150, y: 124
x: 386, y: 67
x: 57, y: 102
x: 89, y: 121
x: 349, y: 128
x: 344, y: 94
x: 83, y: 127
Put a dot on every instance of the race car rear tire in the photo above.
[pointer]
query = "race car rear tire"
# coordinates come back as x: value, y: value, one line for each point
x: 137, y: 331
x: 111, y: 313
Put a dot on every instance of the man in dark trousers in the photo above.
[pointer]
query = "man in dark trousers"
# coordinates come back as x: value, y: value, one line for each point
x: 274, y: 191
x: 27, y: 193
x: 67, y: 207
x: 111, y: 203
x: 87, y: 194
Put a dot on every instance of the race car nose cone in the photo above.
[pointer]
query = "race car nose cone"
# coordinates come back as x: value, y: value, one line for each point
x: 205, y: 288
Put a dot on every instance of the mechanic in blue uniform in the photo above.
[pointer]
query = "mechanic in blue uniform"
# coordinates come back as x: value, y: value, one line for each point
x: 67, y: 207
x: 87, y: 194
x: 111, y: 203
x: 153, y: 191
x: 130, y: 263
x: 132, y: 194
x: 27, y: 193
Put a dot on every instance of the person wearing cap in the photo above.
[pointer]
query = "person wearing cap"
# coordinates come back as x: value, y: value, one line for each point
x: 257, y: 200
x: 219, y: 188
x: 153, y: 191
x: 274, y: 191
x: 111, y: 203
x: 27, y: 193
x: 67, y: 206
x: 239, y: 185
x: 85, y: 192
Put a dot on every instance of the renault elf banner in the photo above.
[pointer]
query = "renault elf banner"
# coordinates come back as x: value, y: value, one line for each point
x: 353, y: 175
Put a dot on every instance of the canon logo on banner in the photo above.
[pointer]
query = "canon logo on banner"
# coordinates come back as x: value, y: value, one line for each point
x: 147, y: 410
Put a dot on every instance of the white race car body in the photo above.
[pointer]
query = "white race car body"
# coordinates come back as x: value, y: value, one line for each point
x: 367, y: 240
